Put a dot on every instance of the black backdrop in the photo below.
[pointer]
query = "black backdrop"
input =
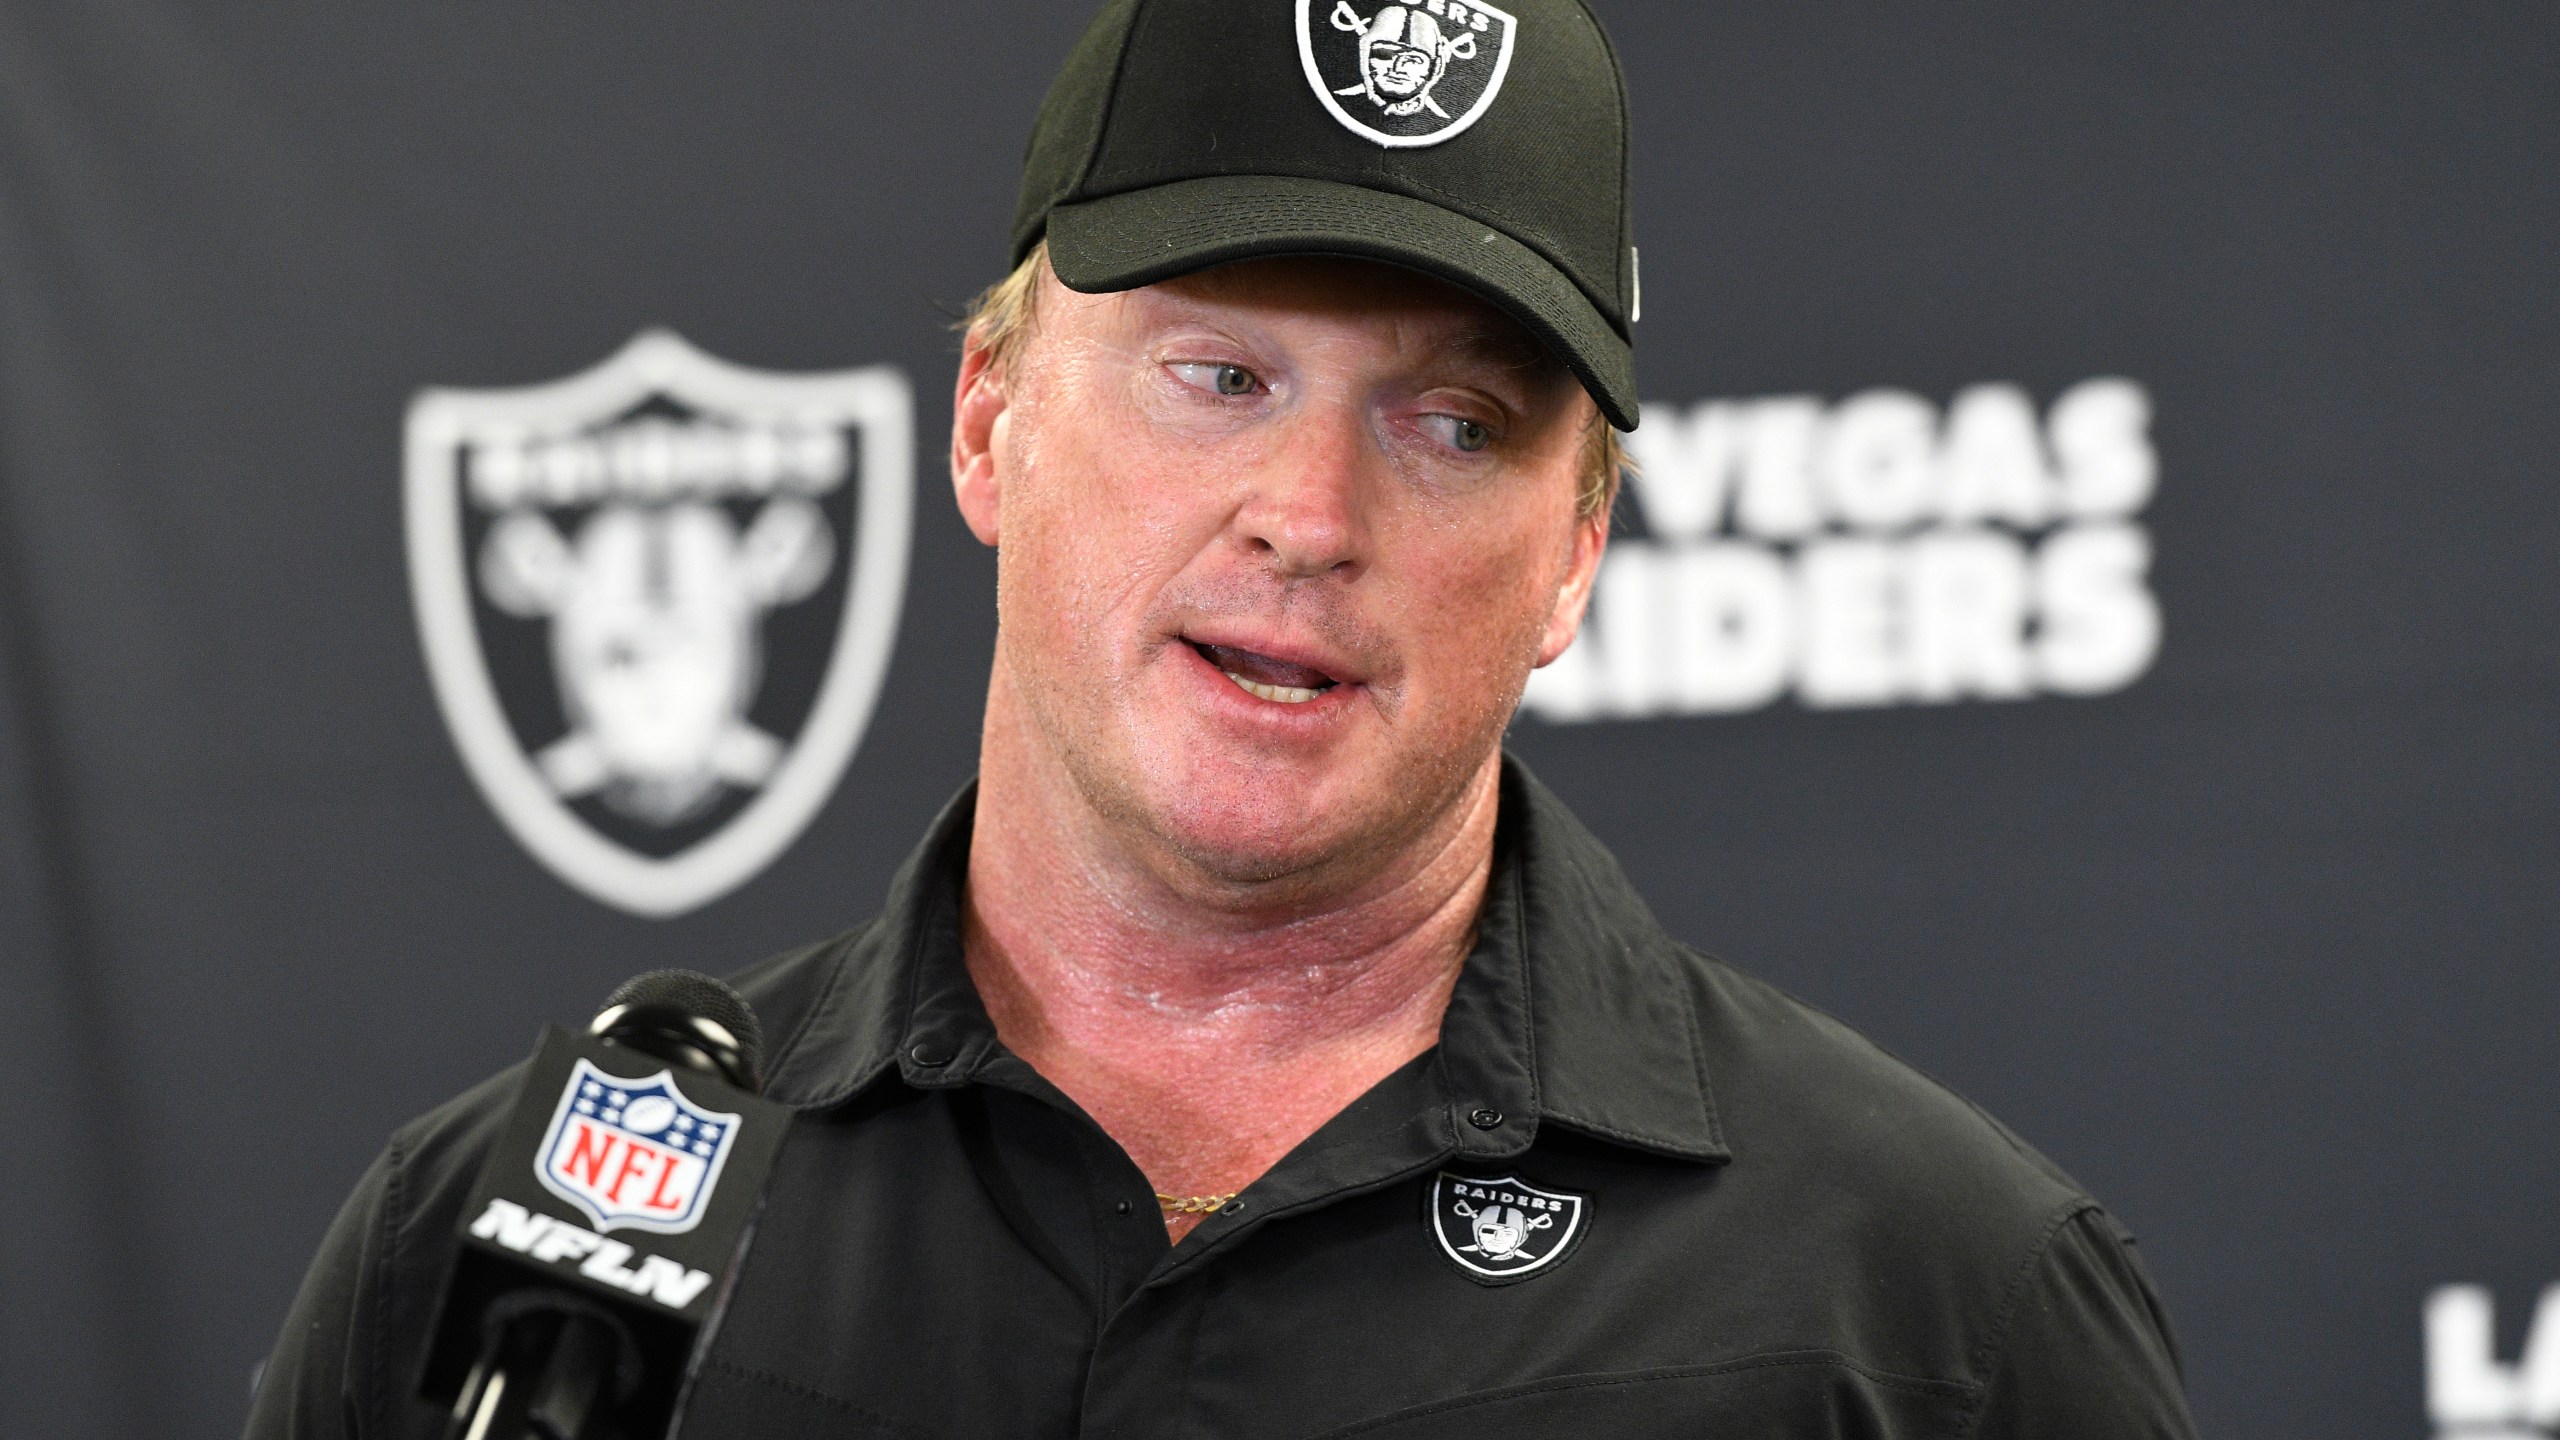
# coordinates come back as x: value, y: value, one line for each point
x: 2258, y: 943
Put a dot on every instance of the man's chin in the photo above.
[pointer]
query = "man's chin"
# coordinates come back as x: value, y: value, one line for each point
x: 1263, y: 826
x: 1254, y: 822
x: 1256, y: 836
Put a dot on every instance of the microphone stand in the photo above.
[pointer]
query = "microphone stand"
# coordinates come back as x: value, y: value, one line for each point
x: 553, y: 1366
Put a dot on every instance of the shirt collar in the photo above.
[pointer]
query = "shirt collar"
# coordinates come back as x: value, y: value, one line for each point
x: 1575, y: 1001
x: 1572, y: 1009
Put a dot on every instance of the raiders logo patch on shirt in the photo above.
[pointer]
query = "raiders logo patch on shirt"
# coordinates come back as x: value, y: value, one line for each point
x: 1504, y: 1230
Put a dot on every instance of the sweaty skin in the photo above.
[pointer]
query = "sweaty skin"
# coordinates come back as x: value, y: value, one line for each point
x: 1277, y: 548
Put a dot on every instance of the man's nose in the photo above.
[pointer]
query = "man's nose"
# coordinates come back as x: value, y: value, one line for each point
x: 1307, y: 511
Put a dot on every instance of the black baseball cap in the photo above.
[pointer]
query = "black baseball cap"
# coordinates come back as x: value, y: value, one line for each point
x: 1485, y: 145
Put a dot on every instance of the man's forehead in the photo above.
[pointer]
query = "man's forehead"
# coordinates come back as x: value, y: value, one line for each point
x: 1457, y: 321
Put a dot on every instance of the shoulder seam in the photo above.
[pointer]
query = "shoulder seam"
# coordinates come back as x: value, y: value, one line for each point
x: 1992, y: 1353
x: 2060, y: 1179
x: 378, y: 1301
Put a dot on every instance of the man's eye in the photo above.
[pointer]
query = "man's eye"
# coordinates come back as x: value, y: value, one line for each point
x: 1224, y: 379
x: 1468, y: 435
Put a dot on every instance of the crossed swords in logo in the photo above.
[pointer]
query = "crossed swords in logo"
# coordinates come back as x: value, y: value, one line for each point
x: 1403, y: 32
x: 1499, y: 1236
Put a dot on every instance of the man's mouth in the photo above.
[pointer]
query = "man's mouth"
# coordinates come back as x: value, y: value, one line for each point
x: 1265, y: 678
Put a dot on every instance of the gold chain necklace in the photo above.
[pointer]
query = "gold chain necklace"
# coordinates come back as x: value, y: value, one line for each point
x: 1193, y: 1204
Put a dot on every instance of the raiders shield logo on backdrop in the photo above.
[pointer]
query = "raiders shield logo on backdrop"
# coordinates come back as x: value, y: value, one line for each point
x: 1405, y: 72
x: 633, y: 1154
x: 657, y: 601
x: 1498, y: 1231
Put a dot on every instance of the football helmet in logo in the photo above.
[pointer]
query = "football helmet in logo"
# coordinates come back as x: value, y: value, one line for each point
x: 1500, y: 1229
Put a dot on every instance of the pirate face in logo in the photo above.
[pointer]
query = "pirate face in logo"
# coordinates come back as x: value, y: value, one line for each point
x: 656, y: 638
x: 1500, y: 1230
x: 1402, y: 56
x: 1415, y: 72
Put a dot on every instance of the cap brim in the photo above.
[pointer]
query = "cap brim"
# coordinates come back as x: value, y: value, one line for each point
x: 1139, y: 237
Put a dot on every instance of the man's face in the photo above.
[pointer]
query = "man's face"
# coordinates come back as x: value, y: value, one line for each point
x: 1278, y: 545
x: 1398, y: 70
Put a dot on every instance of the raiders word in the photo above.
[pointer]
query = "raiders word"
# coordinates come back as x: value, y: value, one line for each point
x: 1872, y: 552
x: 2470, y: 1393
x: 557, y: 1242
x: 655, y: 459
x: 1456, y: 12
x: 1463, y: 1191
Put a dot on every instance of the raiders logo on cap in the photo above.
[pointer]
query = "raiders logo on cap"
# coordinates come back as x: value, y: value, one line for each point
x: 1501, y: 1231
x: 1405, y: 72
x: 657, y: 600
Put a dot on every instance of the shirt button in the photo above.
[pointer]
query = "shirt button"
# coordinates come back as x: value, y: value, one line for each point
x: 1484, y: 1118
x: 1233, y: 1207
x: 1122, y: 1207
x: 932, y: 1054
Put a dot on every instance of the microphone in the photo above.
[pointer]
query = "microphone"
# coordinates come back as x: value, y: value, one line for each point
x: 649, y: 1122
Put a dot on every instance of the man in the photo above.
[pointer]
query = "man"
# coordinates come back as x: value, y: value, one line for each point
x: 1252, y: 1051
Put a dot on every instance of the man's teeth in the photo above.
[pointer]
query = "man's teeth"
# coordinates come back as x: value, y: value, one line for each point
x: 1285, y: 694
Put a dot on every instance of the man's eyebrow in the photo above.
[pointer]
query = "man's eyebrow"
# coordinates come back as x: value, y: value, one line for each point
x: 1503, y: 345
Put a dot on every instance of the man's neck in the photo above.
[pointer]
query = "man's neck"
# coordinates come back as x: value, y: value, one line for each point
x: 1208, y: 1026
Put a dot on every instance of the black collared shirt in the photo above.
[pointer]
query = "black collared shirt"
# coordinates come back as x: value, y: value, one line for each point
x: 1631, y: 1193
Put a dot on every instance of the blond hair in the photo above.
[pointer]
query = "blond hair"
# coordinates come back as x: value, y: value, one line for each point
x: 1000, y: 320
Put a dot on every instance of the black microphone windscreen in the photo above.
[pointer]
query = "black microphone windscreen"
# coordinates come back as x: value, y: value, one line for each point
x: 695, y: 993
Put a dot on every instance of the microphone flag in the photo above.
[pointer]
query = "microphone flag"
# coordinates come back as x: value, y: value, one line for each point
x: 620, y: 1177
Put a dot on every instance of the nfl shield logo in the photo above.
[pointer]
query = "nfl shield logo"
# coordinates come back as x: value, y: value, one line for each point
x: 633, y: 1154
x: 1499, y: 1231
x: 1405, y: 73
x: 657, y: 600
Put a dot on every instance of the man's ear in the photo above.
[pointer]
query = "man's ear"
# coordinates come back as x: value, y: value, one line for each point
x: 978, y: 407
x: 1590, y: 542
